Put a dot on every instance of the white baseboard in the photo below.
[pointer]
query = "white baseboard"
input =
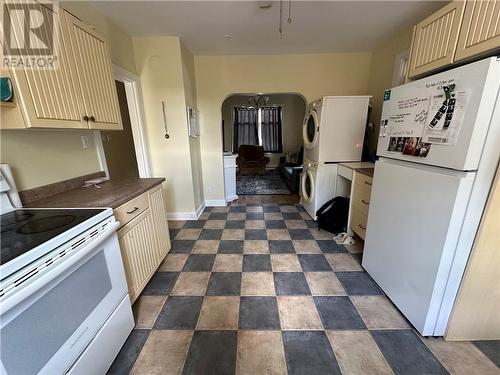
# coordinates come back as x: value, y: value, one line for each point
x: 186, y: 215
x: 215, y: 202
x: 199, y: 210
x: 181, y: 215
x: 232, y: 198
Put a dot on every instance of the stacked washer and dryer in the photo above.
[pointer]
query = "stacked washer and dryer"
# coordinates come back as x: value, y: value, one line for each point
x: 333, y: 132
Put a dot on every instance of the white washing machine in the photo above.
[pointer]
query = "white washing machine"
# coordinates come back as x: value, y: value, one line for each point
x: 334, y: 128
x: 318, y: 183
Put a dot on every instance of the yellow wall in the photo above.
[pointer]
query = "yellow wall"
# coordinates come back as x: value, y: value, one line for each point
x: 42, y: 157
x: 312, y: 75
x: 381, y: 71
x: 160, y: 66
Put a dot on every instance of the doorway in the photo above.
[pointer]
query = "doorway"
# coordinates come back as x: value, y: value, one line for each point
x: 263, y: 134
x: 119, y: 145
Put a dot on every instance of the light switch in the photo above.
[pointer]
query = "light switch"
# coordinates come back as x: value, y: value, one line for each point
x: 85, y: 142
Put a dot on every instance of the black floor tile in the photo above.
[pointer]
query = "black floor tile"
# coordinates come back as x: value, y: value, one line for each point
x: 311, y: 223
x: 194, y: 224
x: 330, y: 246
x: 179, y: 313
x: 291, y: 216
x: 406, y: 353
x: 255, y: 216
x: 127, y: 356
x: 218, y: 216
x: 256, y: 263
x: 290, y: 284
x: 199, y: 262
x: 182, y: 246
x: 309, y: 352
x: 300, y: 234
x: 275, y: 224
x: 338, y: 313
x: 271, y: 208
x: 281, y: 247
x: 491, y: 349
x: 211, y: 352
x: 255, y: 234
x: 161, y: 284
x: 240, y: 208
x: 210, y: 234
x: 314, y: 263
x: 358, y: 283
x: 235, y: 224
x: 173, y: 232
x: 230, y: 247
x: 259, y: 313
x: 224, y: 284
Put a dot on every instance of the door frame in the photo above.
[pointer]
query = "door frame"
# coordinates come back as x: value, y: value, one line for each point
x: 133, y: 91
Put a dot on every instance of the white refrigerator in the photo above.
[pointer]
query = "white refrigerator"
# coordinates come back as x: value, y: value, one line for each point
x: 439, y: 148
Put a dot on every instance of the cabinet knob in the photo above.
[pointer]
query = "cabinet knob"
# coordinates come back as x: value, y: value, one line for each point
x: 85, y: 118
x: 92, y: 118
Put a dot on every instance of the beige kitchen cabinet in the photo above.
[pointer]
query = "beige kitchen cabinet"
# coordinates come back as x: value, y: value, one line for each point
x: 46, y: 98
x: 360, y: 203
x: 480, y: 30
x: 435, y: 39
x: 79, y: 94
x: 143, y: 237
x: 95, y: 75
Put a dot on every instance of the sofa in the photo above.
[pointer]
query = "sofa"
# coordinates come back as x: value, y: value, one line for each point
x: 290, y: 172
x: 251, y: 160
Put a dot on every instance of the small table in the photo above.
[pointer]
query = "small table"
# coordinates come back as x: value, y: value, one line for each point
x: 345, y: 186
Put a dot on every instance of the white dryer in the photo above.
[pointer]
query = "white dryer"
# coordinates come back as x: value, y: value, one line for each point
x: 318, y: 183
x: 334, y: 128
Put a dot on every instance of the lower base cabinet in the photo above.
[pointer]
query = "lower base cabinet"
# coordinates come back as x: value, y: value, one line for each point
x: 144, y: 238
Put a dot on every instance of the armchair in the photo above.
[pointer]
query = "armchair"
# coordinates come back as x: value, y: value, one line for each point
x: 251, y: 160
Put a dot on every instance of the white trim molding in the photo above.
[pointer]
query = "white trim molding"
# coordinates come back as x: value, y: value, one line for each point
x: 199, y: 210
x: 186, y: 215
x: 133, y: 92
x: 215, y: 202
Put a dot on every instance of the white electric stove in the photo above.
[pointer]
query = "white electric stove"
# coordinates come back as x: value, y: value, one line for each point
x: 64, y: 306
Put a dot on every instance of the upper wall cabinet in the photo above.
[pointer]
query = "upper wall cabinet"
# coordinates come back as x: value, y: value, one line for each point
x: 460, y: 31
x: 79, y: 94
x: 95, y: 75
x: 435, y: 39
x: 480, y: 31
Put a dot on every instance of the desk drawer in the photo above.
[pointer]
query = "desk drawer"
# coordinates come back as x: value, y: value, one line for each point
x: 363, y: 180
x: 361, y: 197
x: 131, y: 209
x: 358, y: 222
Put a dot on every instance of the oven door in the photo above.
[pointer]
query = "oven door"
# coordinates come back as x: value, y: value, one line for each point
x: 49, y: 321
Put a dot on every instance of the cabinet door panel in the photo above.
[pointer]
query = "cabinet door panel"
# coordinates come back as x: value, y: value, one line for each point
x: 138, y: 247
x: 480, y: 31
x: 50, y: 98
x: 160, y: 221
x: 95, y: 75
x: 435, y: 39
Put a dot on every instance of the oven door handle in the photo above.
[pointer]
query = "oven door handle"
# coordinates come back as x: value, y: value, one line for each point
x: 32, y: 286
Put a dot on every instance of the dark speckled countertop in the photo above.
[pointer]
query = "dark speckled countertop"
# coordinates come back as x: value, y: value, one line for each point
x: 365, y: 171
x: 112, y: 193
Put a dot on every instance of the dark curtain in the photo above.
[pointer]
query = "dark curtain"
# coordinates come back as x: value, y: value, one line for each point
x: 245, y: 127
x: 271, y: 129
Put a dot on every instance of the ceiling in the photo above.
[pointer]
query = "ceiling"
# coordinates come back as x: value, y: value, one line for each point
x: 241, y: 27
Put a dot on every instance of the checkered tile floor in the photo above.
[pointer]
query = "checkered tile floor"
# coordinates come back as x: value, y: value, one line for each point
x: 257, y: 289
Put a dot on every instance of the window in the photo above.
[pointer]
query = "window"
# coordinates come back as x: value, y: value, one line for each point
x: 258, y: 126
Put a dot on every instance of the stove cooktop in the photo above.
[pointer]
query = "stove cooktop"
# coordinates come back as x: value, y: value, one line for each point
x: 24, y: 229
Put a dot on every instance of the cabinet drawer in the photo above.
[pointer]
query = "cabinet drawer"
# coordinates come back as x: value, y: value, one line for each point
x: 361, y: 197
x: 363, y: 180
x: 131, y: 209
x: 358, y: 222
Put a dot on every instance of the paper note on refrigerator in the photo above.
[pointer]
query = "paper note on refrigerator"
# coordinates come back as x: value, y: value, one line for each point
x: 408, y: 117
x: 445, y: 118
